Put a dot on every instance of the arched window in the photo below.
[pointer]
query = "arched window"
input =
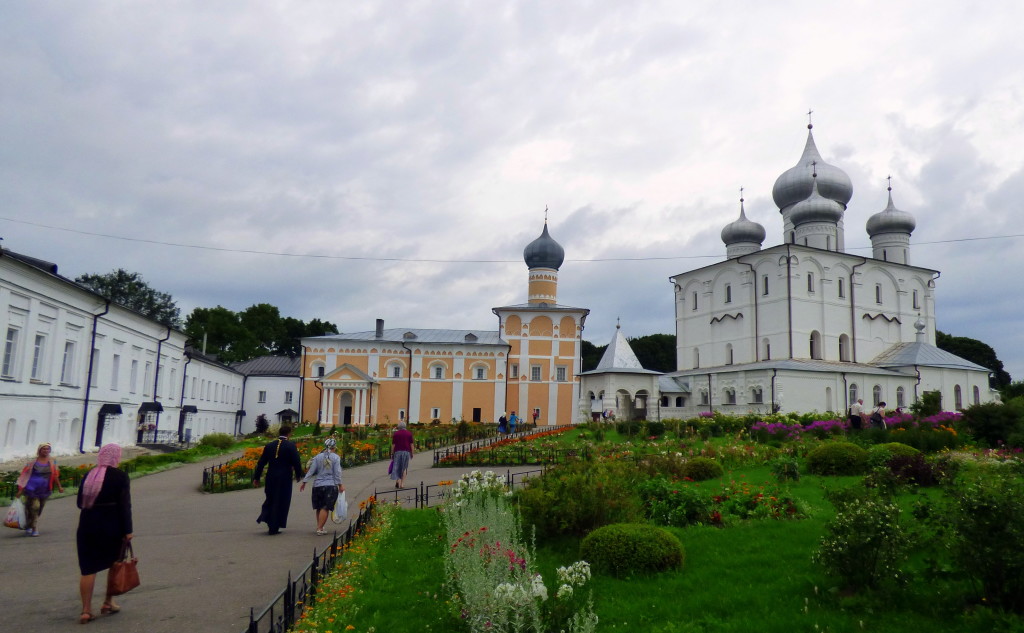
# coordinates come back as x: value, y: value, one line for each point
x: 977, y: 395
x: 394, y: 369
x: 876, y: 394
x: 664, y: 401
x: 437, y: 371
x: 901, y: 397
x: 958, y: 399
x: 318, y: 370
x: 728, y: 293
x: 728, y: 353
x: 703, y: 397
x: 844, y: 348
x: 815, y: 344
x: 757, y: 395
x: 766, y: 350
x: 680, y: 401
x: 853, y: 393
x: 810, y: 283
x: 730, y: 396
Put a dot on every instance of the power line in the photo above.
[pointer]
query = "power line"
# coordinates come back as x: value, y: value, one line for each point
x: 433, y: 261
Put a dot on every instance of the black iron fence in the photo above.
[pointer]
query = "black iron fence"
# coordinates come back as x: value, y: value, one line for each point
x: 514, y: 455
x: 427, y: 495
x: 286, y: 608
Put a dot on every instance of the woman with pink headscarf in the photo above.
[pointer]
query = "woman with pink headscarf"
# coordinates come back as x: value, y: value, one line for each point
x: 105, y: 523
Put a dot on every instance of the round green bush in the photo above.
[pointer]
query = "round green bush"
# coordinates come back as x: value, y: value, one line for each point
x: 217, y: 440
x: 625, y: 549
x: 880, y: 454
x: 702, y: 469
x: 837, y: 458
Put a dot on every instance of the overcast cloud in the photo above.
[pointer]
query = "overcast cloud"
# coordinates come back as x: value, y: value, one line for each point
x: 441, y: 130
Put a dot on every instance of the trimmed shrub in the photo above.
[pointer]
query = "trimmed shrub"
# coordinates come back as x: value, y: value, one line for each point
x: 837, y: 458
x: 627, y: 549
x: 785, y: 468
x: 217, y: 440
x: 262, y: 423
x: 880, y: 454
x: 578, y: 497
x: 702, y: 469
x: 655, y: 429
x: 629, y: 428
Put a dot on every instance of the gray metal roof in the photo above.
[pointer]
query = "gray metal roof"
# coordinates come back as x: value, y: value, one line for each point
x: 419, y: 335
x: 923, y: 354
x: 270, y: 366
x: 673, y: 384
x: 619, y: 358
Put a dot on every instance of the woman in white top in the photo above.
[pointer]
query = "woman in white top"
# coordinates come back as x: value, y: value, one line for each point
x: 326, y: 467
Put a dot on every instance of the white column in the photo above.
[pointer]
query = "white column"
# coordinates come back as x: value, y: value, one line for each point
x: 329, y: 394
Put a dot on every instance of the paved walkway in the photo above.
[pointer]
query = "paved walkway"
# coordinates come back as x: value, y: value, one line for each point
x: 203, y: 559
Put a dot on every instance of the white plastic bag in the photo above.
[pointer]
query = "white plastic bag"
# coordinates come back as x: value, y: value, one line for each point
x: 340, y: 511
x: 16, y: 515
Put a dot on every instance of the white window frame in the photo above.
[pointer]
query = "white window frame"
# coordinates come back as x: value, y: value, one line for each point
x: 147, y: 372
x: 842, y: 288
x: 10, y: 362
x: 728, y: 293
x: 115, y: 371
x: 288, y: 396
x: 133, y: 385
x: 437, y: 371
x: 535, y: 373
x: 39, y: 357
x: 515, y: 370
x: 261, y: 397
x: 479, y: 373
x: 561, y: 373
x: 67, y: 367
x: 878, y: 294
x: 94, y: 379
x: 435, y: 413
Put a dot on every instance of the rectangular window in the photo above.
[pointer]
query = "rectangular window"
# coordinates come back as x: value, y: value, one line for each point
x: 479, y: 373
x: 10, y: 352
x: 262, y: 397
x: 67, y: 368
x: 842, y: 288
x: 195, y: 381
x: 94, y: 379
x: 693, y: 301
x: 435, y: 413
x: 703, y: 397
x: 115, y: 369
x: 917, y: 302
x: 515, y: 370
x: 534, y: 372
x: 764, y: 285
x: 134, y: 376
x: 396, y: 372
x: 401, y: 414
x: 288, y: 397
x: 438, y: 372
x: 170, y: 390
x: 145, y: 378
x: 38, y: 357
x: 758, y: 396
x: 560, y: 374
x: 878, y: 294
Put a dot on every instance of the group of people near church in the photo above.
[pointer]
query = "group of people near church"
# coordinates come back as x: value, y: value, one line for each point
x: 508, y: 424
x: 862, y: 418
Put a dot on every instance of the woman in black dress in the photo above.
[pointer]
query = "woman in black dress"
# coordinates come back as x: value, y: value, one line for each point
x: 104, y: 524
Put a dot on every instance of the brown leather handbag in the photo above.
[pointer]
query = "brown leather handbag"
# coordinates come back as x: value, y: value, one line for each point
x: 124, y: 574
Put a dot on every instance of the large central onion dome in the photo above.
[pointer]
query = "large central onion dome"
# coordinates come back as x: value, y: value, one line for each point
x: 816, y: 208
x: 891, y: 220
x: 795, y: 184
x: 544, y: 252
x: 742, y: 230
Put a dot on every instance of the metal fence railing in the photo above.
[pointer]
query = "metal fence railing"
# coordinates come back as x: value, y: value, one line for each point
x: 300, y: 593
x: 428, y: 495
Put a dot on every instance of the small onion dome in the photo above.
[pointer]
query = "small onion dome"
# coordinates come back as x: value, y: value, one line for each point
x: 890, y: 220
x: 816, y: 208
x: 544, y: 252
x: 794, y: 184
x: 742, y: 230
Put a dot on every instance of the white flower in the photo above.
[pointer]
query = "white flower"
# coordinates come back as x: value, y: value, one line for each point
x: 565, y: 591
x: 538, y: 589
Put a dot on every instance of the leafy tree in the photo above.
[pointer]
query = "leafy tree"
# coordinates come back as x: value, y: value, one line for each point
x: 258, y: 330
x: 591, y: 355
x: 1013, y: 390
x: 225, y: 336
x: 976, y: 352
x: 131, y: 291
x: 656, y: 352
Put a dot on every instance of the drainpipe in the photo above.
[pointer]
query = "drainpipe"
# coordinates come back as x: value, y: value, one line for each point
x: 302, y: 378
x: 156, y: 379
x: 181, y: 400
x: 789, y: 297
x: 408, y: 390
x: 775, y: 372
x: 711, y: 408
x: 88, y: 376
x: 846, y: 393
x: 753, y: 273
x: 853, y: 313
x: 917, y: 370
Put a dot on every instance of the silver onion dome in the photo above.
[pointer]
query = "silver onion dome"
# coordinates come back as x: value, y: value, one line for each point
x: 794, y: 184
x: 816, y: 208
x: 891, y: 220
x: 544, y: 252
x: 742, y: 230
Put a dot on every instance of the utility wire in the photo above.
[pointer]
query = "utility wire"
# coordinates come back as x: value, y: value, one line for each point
x: 435, y: 261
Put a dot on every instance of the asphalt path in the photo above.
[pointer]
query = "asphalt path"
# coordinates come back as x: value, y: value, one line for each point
x: 203, y: 559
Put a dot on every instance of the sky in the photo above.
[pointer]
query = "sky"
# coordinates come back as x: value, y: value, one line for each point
x: 359, y: 160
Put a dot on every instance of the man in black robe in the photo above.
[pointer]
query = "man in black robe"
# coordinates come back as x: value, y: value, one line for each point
x: 281, y: 458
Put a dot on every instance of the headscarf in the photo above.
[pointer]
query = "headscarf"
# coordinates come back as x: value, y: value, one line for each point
x: 330, y: 443
x: 39, y: 449
x: 108, y: 457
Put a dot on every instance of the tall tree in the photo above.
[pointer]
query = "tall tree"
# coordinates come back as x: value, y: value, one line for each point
x: 132, y: 291
x: 256, y: 331
x: 976, y: 352
x: 220, y: 332
x: 656, y: 352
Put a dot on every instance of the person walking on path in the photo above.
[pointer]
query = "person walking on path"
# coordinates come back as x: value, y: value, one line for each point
x: 281, y: 459
x: 502, y: 424
x: 36, y: 482
x: 326, y: 467
x: 401, y: 453
x: 512, y: 421
x: 104, y: 524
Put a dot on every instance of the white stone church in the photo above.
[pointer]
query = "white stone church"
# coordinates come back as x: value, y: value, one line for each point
x: 801, y: 326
